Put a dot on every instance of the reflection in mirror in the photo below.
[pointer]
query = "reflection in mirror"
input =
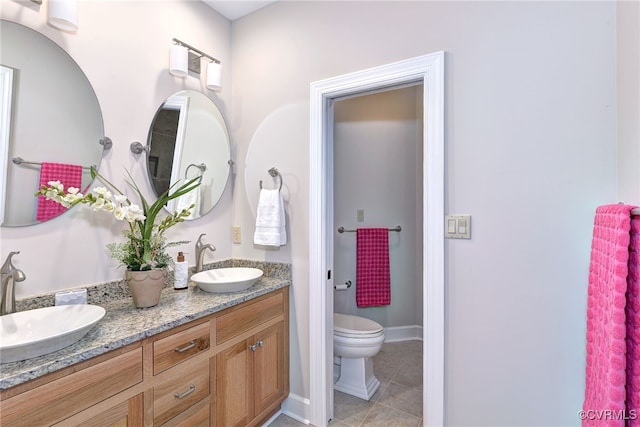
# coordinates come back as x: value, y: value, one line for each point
x: 6, y: 88
x: 52, y: 118
x: 188, y: 138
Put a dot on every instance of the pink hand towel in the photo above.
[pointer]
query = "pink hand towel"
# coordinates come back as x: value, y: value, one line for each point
x: 606, y: 320
x: 633, y: 325
x: 68, y: 175
x: 373, y: 277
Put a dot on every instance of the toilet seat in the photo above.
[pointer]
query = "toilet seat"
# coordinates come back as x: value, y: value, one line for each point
x: 348, y: 326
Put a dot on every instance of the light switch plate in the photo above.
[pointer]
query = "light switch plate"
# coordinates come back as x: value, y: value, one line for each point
x: 236, y: 234
x: 457, y: 227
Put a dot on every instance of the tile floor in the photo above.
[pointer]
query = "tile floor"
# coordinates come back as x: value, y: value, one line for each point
x: 398, y: 401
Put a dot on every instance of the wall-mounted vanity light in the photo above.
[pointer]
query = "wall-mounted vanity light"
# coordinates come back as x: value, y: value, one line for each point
x: 62, y: 14
x: 185, y: 58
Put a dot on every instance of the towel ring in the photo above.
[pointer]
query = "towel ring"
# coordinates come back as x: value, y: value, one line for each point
x: 202, y: 167
x: 274, y: 173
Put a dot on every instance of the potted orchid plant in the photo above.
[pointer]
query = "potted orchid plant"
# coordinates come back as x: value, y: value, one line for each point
x: 145, y: 247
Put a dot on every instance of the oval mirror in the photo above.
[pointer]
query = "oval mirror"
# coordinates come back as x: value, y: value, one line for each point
x: 188, y: 138
x: 49, y: 117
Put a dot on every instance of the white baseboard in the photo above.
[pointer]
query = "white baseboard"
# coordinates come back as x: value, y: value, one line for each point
x: 297, y: 407
x: 403, y: 333
x: 272, y: 419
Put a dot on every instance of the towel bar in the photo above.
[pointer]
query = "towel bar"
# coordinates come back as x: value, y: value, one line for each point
x: 105, y: 142
x: 19, y: 161
x: 341, y: 229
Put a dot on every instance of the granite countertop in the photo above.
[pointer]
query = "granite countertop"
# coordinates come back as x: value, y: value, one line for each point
x: 124, y: 324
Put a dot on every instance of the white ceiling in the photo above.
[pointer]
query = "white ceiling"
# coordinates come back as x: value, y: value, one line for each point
x: 234, y: 9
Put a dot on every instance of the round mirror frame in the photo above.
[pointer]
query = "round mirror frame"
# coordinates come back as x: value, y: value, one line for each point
x: 189, y: 130
x: 55, y: 123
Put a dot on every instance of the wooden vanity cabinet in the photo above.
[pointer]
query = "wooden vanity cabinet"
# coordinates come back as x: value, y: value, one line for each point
x: 77, y: 390
x: 252, y: 381
x: 228, y: 369
x: 253, y: 370
x: 181, y: 370
x: 129, y: 413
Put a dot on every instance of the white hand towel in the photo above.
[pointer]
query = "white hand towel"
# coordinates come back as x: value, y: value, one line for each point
x: 270, y: 220
x: 186, y: 200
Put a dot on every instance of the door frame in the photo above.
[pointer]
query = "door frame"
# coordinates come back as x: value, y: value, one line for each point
x: 428, y: 69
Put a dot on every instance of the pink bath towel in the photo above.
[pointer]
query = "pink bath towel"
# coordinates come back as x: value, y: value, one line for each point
x: 633, y: 325
x: 68, y: 175
x: 373, y: 276
x: 606, y: 319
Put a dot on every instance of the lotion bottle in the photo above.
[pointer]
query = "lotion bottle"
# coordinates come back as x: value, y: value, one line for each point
x: 181, y: 273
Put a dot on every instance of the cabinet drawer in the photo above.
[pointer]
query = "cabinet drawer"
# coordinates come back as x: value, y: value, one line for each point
x: 62, y: 398
x: 170, y: 351
x: 196, y: 416
x: 179, y: 388
x: 237, y: 321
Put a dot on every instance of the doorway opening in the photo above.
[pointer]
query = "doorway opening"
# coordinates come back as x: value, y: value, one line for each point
x: 428, y: 70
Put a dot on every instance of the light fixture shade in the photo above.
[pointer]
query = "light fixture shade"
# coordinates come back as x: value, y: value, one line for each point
x: 63, y: 14
x: 178, y: 61
x: 214, y: 76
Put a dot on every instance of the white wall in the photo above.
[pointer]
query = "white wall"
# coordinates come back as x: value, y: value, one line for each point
x: 377, y: 167
x: 123, y: 48
x: 628, y: 91
x: 530, y: 153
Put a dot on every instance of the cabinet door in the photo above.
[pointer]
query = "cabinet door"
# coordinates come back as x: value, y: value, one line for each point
x: 234, y: 388
x: 127, y: 414
x: 269, y: 366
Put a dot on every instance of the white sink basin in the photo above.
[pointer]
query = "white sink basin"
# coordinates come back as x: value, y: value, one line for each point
x: 32, y: 333
x: 223, y: 280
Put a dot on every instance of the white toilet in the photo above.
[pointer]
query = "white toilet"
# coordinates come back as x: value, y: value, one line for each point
x: 355, y: 341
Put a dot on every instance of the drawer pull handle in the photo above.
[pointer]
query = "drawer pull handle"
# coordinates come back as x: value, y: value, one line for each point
x: 187, y: 392
x: 252, y: 347
x: 260, y: 343
x: 186, y: 347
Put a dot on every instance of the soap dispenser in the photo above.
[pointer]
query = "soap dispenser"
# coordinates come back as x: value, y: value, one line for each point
x: 181, y: 273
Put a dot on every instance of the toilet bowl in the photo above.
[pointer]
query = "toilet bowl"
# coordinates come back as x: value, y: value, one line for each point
x: 355, y: 341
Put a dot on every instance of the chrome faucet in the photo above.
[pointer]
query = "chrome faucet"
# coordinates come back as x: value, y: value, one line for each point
x: 200, y: 250
x: 9, y: 276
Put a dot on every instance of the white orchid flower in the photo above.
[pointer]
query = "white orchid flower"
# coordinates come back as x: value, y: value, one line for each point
x: 135, y: 214
x: 98, y: 204
x: 100, y: 191
x: 120, y: 199
x: 120, y: 212
x: 109, y: 207
x: 56, y: 185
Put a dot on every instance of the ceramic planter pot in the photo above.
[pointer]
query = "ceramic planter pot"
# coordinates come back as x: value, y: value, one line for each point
x: 145, y: 286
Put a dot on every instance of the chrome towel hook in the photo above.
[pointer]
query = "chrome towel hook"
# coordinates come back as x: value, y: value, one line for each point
x: 274, y: 173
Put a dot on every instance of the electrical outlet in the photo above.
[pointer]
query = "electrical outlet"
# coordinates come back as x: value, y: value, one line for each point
x: 236, y: 236
x: 360, y: 215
